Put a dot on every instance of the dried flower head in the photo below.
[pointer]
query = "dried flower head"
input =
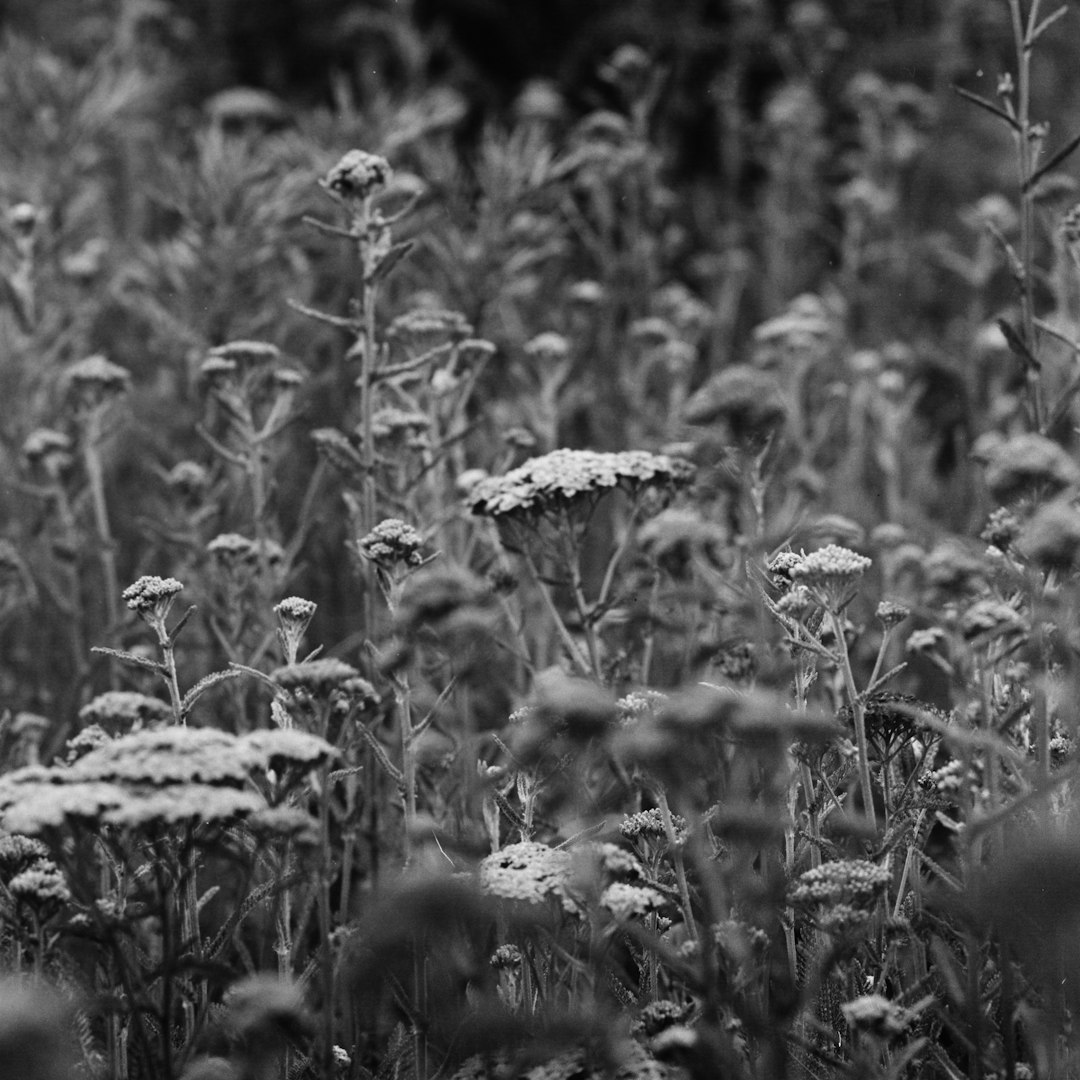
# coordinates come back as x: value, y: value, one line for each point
x: 229, y: 548
x: 506, y: 958
x: 151, y: 597
x: 745, y: 401
x: 391, y: 422
x: 358, y: 174
x: 392, y: 544
x: 565, y: 477
x: 1029, y: 465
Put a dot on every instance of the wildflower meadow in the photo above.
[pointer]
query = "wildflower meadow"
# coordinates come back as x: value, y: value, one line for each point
x: 539, y: 541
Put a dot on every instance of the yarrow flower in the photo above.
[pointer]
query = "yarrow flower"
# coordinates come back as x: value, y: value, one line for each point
x: 43, y: 883
x: 892, y: 613
x: 319, y: 677
x: 245, y: 353
x: 855, y: 882
x: 428, y: 327
x: 548, y: 347
x: 744, y: 400
x: 188, y: 477
x: 50, y: 449
x: 651, y: 823
x: 392, y: 542
x: 124, y: 709
x: 626, y: 901
x: 97, y: 379
x: 1028, y: 464
x: 832, y: 573
x: 1051, y: 538
x: 563, y: 477
x: 991, y: 618
x: 528, y: 871
x: 358, y: 174
x: 294, y: 615
x: 151, y: 597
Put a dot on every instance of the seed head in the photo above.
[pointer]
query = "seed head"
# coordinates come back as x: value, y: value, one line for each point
x: 876, y: 1015
x: 742, y: 399
x: 892, y: 613
x: 1029, y: 464
x: 832, y: 573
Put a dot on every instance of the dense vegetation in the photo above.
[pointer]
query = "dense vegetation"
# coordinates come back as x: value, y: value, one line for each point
x: 559, y: 577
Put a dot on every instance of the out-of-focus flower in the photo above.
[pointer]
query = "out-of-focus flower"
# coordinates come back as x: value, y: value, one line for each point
x: 35, y: 1032
x: 990, y: 618
x: 744, y: 400
x: 877, y: 1015
x: 52, y: 450
x: 626, y: 901
x: 548, y: 347
x: 245, y: 353
x: 530, y: 872
x: 856, y: 882
x: 992, y: 211
x: 925, y: 641
x: 1029, y: 465
x: 97, y: 379
x: 124, y: 709
x: 892, y: 613
x: 540, y: 100
x: 23, y: 219
x: 1051, y: 537
x: 319, y: 677
x: 189, y: 478
x: 675, y: 536
x: 427, y: 327
x: 563, y: 477
x: 358, y: 174
x: 40, y: 885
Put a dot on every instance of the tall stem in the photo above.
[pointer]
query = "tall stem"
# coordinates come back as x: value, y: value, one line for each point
x: 1025, y: 165
x: 95, y: 474
x: 858, y: 715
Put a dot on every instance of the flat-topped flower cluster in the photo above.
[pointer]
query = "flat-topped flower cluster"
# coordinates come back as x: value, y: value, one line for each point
x: 564, y: 476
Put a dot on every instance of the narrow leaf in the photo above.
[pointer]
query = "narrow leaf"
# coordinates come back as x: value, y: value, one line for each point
x: 204, y: 684
x: 1017, y: 345
x: 175, y: 633
x: 131, y: 658
x: 989, y: 106
x: 1054, y: 161
x: 390, y: 260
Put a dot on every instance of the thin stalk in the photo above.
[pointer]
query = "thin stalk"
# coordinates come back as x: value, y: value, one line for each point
x: 1025, y: 167
x: 95, y: 473
x: 677, y: 859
